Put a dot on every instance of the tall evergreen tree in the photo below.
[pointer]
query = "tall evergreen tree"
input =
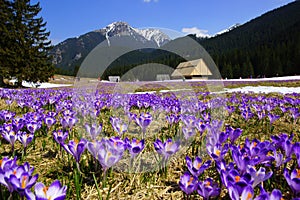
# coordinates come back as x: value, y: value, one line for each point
x: 6, y: 40
x: 27, y: 51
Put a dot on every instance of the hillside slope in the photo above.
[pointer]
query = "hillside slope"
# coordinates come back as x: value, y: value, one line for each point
x: 268, y: 45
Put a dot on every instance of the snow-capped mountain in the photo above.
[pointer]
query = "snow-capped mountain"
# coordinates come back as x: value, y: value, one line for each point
x: 143, y: 35
x: 154, y: 35
x: 71, y: 52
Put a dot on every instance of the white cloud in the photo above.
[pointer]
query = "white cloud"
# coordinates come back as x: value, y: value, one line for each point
x: 148, y: 1
x: 195, y: 30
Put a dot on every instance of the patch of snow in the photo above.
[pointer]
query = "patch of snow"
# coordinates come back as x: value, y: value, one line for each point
x: 263, y: 89
x: 282, y: 78
x: 228, y: 29
x: 174, y: 90
x: 43, y: 85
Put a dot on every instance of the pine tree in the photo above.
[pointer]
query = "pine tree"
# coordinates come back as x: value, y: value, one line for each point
x: 6, y: 40
x: 28, y: 46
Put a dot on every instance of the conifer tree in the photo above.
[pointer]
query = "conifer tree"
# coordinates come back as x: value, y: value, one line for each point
x: 27, y: 52
x: 6, y: 16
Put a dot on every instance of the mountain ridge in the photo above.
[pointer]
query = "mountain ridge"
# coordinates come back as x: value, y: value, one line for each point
x: 69, y: 54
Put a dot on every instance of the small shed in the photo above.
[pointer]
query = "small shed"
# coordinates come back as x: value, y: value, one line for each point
x: 194, y: 69
x: 114, y: 78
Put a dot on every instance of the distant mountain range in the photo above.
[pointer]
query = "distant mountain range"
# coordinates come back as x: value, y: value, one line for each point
x: 267, y: 45
x: 70, y: 53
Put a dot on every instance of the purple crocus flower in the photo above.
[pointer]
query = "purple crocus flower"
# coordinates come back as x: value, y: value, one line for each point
x: 135, y: 146
x: 288, y: 149
x: 284, y: 142
x: 188, y: 183
x: 217, y: 151
x: 200, y: 125
x: 18, y: 123
x: 233, y: 133
x: 273, y: 117
x: 143, y: 121
x: 75, y: 148
x: 278, y: 157
x: 118, y: 125
x: 230, y: 109
x: 131, y: 116
x: 7, y: 167
x: 258, y: 176
x: 49, y: 121
x: 25, y: 138
x: 172, y: 119
x: 118, y: 142
x: 246, y: 194
x: 260, y: 115
x: 32, y: 126
x: 93, y: 130
x: 68, y: 121
x: 197, y: 167
x: 295, y: 113
x: 7, y: 115
x: 69, y: 112
x: 54, y: 192
x: 206, y: 116
x: 242, y: 159
x: 9, y: 135
x: 208, y: 188
x: 166, y: 149
x: 275, y: 195
x: 109, y: 153
x: 189, y: 120
x: 188, y: 132
x: 12, y: 176
x: 94, y: 147
x: 224, y: 170
x: 238, y: 181
x: 22, y: 183
x: 293, y: 179
x: 7, y: 163
x: 247, y: 114
x: 60, y: 136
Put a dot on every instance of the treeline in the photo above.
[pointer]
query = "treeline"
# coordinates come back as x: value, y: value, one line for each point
x: 147, y: 60
x: 266, y: 46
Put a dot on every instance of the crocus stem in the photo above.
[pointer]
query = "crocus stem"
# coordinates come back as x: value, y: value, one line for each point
x: 23, y: 153
x: 144, y: 131
x: 78, y: 168
x: 131, y: 164
x: 104, y: 178
x: 13, y: 150
x: 60, y: 152
x: 97, y: 187
x: 77, y: 180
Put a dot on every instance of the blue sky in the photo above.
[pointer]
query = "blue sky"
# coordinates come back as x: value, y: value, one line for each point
x: 71, y: 18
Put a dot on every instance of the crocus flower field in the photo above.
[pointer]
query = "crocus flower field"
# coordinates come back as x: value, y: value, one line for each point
x: 97, y: 144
